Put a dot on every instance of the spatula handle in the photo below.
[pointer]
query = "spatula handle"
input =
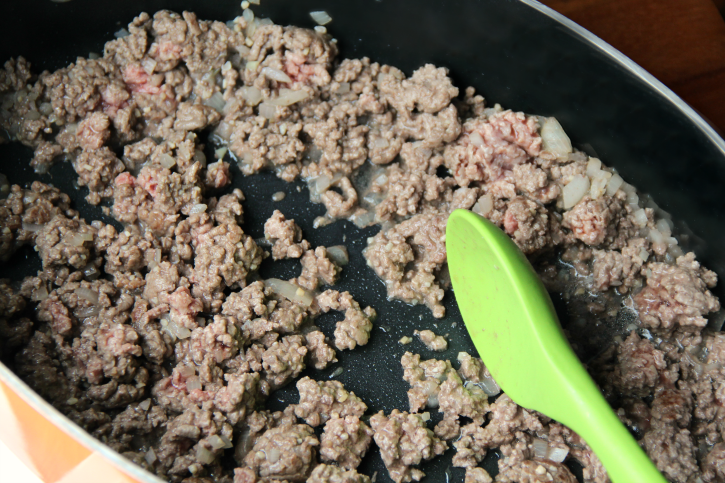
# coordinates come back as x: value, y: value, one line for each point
x: 614, y: 445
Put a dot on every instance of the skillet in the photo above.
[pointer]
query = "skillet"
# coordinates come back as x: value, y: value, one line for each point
x: 514, y: 52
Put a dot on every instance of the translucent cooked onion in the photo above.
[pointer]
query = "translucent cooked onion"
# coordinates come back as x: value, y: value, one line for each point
x: 342, y: 88
x: 177, y: 330
x: 267, y: 111
x: 91, y: 272
x: 145, y: 405
x: 640, y: 218
x: 575, y: 191
x: 290, y: 291
x: 186, y: 371
x: 86, y: 312
x: 655, y: 237
x: 4, y: 186
x: 78, y: 239
x: 224, y: 131
x: 594, y: 166
x: 484, y: 205
x: 554, y: 139
x: 119, y: 34
x: 150, y: 456
x: 476, y: 139
x: 287, y: 97
x: 275, y: 74
x: 87, y: 294
x: 321, y: 17
x: 557, y: 455
x: 251, y: 95
x: 226, y: 441
x: 215, y: 441
x: 216, y: 102
x: 41, y: 293
x: 614, y: 183
x: 200, y: 157
x: 193, y: 383
x: 338, y: 254
x: 203, y: 455
x: 199, y: 208
x: 167, y: 161
x: 32, y: 227
x: 541, y: 448
x: 364, y: 219
x: 664, y: 227
x: 489, y: 386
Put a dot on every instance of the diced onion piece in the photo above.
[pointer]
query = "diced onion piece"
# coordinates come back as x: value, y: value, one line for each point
x: 200, y: 157
x: 216, y: 102
x: 203, y: 455
x: 363, y: 220
x: 227, y: 444
x: 167, y: 161
x: 119, y: 34
x: 87, y: 294
x: 290, y: 291
x: 199, y: 208
x: 186, y: 371
x: 557, y: 455
x: 78, y: 239
x: 342, y: 88
x: 643, y: 254
x: 273, y: 455
x: 275, y: 74
x: 664, y: 227
x: 640, y: 218
x: 655, y: 236
x: 251, y: 95
x: 599, y: 185
x: 150, y: 456
x: 541, y: 448
x: 614, y: 183
x: 287, y: 97
x: 489, y: 386
x: 248, y: 15
x: 476, y: 139
x: 575, y: 191
x: 432, y: 401
x: 338, y: 254
x: 193, y: 383
x: 177, y: 330
x: 85, y: 312
x: 484, y: 205
x: 336, y: 372
x: 145, y: 405
x: 671, y: 241
x: 41, y: 293
x: 215, y: 441
x: 321, y: 17
x: 220, y: 153
x: 319, y: 184
x: 32, y: 227
x: 554, y: 139
x: 425, y: 416
x: 224, y: 131
x: 4, y: 186
x: 594, y: 165
x: 91, y: 272
x: 632, y: 199
x: 267, y: 111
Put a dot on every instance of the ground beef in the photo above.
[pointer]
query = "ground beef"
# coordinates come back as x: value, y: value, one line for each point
x: 431, y: 340
x: 418, y: 243
x: 355, y: 328
x: 345, y: 441
x: 332, y: 474
x: 284, y: 453
x: 404, y: 441
x: 676, y: 294
x: 161, y: 340
x: 320, y: 401
x: 286, y: 237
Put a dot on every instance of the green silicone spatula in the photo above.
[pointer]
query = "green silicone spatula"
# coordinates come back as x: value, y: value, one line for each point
x: 512, y: 322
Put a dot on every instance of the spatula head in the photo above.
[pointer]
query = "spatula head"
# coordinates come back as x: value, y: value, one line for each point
x: 508, y: 313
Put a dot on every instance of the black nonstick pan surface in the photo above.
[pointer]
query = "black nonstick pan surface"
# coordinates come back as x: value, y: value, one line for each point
x: 514, y: 52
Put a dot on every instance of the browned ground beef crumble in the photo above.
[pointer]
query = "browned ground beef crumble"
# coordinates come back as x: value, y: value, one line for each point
x: 157, y: 362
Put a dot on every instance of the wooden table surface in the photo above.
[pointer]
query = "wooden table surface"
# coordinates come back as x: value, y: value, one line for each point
x: 680, y: 42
